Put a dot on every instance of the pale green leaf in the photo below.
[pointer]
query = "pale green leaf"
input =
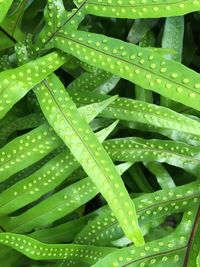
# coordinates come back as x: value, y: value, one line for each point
x: 4, y: 5
x: 85, y: 147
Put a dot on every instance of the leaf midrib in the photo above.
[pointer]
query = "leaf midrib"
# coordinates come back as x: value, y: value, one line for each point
x: 191, y: 239
x: 187, y: 246
x: 157, y: 150
x: 114, y: 106
x: 20, y: 12
x: 68, y: 20
x: 35, y: 184
x: 129, y: 62
x: 100, y: 167
x: 152, y: 207
x: 137, y: 5
x: 22, y: 151
x: 49, y: 210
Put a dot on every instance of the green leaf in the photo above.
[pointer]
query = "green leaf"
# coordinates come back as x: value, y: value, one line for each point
x: 173, y: 36
x: 28, y: 171
x: 139, y: 65
x: 5, y: 5
x: 163, y: 177
x: 45, y: 179
x: 56, y: 17
x: 52, y: 208
x: 57, y: 172
x: 65, y: 232
x: 41, y: 251
x: 139, y: 29
x: 12, y: 22
x: 176, y: 135
x: 170, y: 249
x: 27, y: 122
x: 150, y: 207
x: 15, y: 83
x: 6, y: 42
x: 193, y: 254
x: 198, y: 260
x: 51, y: 174
x: 134, y: 149
x: 173, y: 39
x: 55, y: 14
x: 98, y: 81
x: 140, y: 93
x: 26, y: 150
x: 85, y: 147
x: 56, y: 206
x: 137, y: 9
x: 133, y: 110
x: 139, y: 178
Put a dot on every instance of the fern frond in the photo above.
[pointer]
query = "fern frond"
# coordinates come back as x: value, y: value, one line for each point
x: 85, y: 147
x: 15, y: 83
x: 40, y: 251
x: 138, y: 65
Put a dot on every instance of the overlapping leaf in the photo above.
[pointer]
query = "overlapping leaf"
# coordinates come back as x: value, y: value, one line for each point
x: 172, y: 248
x: 44, y: 190
x: 139, y: 65
x: 5, y: 5
x: 15, y: 83
x: 49, y: 176
x: 40, y: 251
x: 137, y: 9
x: 76, y: 134
x: 12, y: 22
x: 104, y: 228
x: 133, y: 110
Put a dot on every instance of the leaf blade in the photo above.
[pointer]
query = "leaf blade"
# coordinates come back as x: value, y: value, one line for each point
x: 5, y: 5
x: 80, y: 140
x: 15, y: 83
x: 138, y: 65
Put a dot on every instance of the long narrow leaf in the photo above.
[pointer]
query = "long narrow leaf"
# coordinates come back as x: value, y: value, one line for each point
x: 15, y: 83
x: 85, y: 147
x: 138, y: 65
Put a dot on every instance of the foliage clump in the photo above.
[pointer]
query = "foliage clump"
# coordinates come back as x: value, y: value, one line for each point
x: 99, y: 133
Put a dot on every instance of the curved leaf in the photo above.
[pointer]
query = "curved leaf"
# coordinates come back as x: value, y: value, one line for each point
x: 52, y: 208
x: 137, y: 9
x: 98, y: 81
x: 56, y: 17
x: 176, y: 135
x: 41, y: 251
x: 27, y: 122
x: 56, y: 206
x: 15, y: 83
x: 54, y: 171
x: 105, y: 228
x: 173, y: 39
x: 134, y: 110
x: 163, y: 177
x: 85, y: 147
x: 65, y: 232
x: 26, y: 150
x: 135, y: 149
x: 48, y: 177
x: 139, y: 30
x: 139, y: 65
x: 12, y: 22
x: 160, y: 252
x: 5, y: 5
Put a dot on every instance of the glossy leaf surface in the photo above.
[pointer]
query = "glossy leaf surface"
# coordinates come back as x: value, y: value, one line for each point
x: 136, y: 64
x: 88, y: 151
